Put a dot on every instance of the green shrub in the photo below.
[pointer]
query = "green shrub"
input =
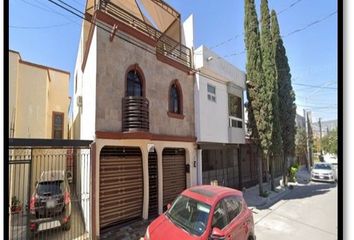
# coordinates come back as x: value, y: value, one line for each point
x: 292, y: 172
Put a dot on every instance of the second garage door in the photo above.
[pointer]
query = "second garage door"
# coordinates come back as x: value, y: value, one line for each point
x: 174, y: 174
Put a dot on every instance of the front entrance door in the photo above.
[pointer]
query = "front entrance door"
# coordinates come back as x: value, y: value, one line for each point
x: 153, y: 185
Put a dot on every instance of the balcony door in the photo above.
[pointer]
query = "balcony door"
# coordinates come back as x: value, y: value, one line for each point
x: 134, y: 84
x: 135, y: 107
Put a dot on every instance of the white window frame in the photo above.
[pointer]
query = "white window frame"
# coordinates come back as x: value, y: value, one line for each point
x: 232, y: 118
x: 211, y: 96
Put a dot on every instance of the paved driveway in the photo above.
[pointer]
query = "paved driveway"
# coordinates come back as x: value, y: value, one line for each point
x: 131, y: 231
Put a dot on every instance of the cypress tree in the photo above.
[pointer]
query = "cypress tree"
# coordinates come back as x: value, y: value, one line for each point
x: 268, y: 64
x: 258, y: 100
x: 286, y: 95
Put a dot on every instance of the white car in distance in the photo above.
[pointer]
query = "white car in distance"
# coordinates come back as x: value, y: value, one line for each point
x: 323, y: 172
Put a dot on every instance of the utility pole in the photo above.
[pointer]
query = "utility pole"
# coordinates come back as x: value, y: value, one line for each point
x: 310, y: 136
x: 321, y: 152
x: 307, y: 140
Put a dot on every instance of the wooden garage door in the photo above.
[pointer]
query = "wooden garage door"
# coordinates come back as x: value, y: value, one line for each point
x: 121, y: 185
x: 174, y: 174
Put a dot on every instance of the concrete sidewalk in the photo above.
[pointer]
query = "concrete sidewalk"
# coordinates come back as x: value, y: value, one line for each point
x: 253, y: 199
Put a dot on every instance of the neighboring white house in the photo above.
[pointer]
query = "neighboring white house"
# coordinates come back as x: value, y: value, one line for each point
x: 219, y: 118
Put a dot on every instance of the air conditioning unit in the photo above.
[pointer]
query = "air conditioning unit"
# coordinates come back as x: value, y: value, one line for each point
x: 79, y: 101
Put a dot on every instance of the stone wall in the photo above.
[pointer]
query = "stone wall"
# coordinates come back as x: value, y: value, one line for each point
x: 113, y: 60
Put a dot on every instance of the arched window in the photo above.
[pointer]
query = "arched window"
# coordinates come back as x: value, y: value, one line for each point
x: 175, y: 98
x: 134, y: 84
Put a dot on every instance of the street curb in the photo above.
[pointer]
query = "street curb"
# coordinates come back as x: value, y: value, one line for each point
x: 272, y: 200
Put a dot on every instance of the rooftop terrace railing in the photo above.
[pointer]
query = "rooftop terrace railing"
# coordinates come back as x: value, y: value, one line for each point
x: 165, y: 45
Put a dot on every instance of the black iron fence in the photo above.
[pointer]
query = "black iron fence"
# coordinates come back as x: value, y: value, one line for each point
x: 49, y: 189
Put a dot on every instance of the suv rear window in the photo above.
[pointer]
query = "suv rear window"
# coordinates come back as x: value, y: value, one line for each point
x: 52, y: 187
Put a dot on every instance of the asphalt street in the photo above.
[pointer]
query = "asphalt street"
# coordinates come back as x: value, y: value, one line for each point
x: 309, y: 211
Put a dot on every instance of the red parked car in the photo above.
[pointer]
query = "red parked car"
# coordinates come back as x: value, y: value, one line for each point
x: 205, y: 212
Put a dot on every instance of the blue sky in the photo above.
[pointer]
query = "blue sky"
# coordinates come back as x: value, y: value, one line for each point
x: 46, y: 34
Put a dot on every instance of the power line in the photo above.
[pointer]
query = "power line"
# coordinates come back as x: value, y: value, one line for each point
x: 39, y: 27
x: 316, y: 91
x: 240, y: 34
x: 102, y: 25
x: 47, y: 9
x: 313, y: 86
x: 318, y: 107
x: 226, y: 41
x: 79, y: 3
x: 284, y: 36
x: 291, y: 5
x: 311, y: 24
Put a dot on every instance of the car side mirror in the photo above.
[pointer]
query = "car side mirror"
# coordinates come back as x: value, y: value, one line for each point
x: 168, y: 206
x: 217, y: 234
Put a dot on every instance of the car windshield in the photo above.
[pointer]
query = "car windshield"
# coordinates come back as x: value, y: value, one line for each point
x: 189, y: 214
x: 322, y: 166
x: 50, y: 188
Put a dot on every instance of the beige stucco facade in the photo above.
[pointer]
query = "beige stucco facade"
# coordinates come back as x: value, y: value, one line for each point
x: 35, y: 92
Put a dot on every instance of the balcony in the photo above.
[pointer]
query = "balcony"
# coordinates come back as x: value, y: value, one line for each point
x: 135, y: 114
x: 166, y: 47
x: 236, y: 130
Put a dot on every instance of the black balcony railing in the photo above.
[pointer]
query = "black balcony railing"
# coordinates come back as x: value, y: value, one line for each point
x: 164, y: 45
x: 129, y: 19
x: 174, y: 50
x: 135, y: 114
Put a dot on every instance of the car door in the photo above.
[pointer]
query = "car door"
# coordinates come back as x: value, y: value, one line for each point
x: 219, y: 216
x: 238, y: 219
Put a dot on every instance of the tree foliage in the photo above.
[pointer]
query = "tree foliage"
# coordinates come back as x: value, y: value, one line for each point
x: 330, y: 142
x: 300, y: 142
x: 266, y: 87
x: 258, y: 101
x: 253, y: 69
x: 286, y: 94
x: 270, y: 80
x: 269, y: 89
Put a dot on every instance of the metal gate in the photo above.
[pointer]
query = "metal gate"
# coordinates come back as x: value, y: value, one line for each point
x: 45, y: 201
x: 174, y: 174
x: 19, y: 177
x: 221, y: 165
x: 121, y: 185
x: 153, y: 185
